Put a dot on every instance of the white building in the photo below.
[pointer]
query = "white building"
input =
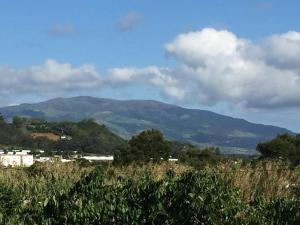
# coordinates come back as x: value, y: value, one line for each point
x: 66, y: 160
x: 99, y: 158
x: 65, y: 137
x: 42, y: 159
x: 16, y: 159
x: 173, y: 160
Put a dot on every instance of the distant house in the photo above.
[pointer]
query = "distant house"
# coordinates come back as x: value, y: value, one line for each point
x: 66, y: 137
x: 16, y: 159
x: 50, y: 136
x: 173, y: 160
x: 66, y: 160
x: 42, y: 159
x: 99, y: 158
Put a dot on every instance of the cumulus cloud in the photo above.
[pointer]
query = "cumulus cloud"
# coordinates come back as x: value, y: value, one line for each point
x: 129, y: 21
x: 197, y: 49
x: 283, y: 51
x: 49, y: 79
x: 226, y: 68
x: 213, y: 66
x: 160, y: 77
x: 128, y: 74
x: 61, y: 30
x: 216, y: 66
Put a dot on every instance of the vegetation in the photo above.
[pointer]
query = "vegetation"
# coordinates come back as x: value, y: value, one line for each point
x: 149, y: 145
x: 164, y: 193
x: 128, y: 118
x: 284, y: 146
x: 85, y: 136
x: 142, y: 186
x: 199, y: 158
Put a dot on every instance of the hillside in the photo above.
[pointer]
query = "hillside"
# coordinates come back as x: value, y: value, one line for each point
x: 84, y: 136
x: 127, y: 118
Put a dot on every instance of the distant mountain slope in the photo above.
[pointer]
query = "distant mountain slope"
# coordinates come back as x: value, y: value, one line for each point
x: 85, y: 136
x: 127, y: 118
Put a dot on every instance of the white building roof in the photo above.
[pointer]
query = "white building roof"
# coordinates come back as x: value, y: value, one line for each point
x: 99, y: 158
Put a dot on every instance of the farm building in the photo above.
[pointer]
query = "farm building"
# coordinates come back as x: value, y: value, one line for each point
x: 66, y: 137
x: 42, y: 159
x: 16, y: 159
x: 98, y: 158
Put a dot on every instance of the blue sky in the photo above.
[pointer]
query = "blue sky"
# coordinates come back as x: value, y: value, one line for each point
x: 133, y: 34
x: 25, y: 40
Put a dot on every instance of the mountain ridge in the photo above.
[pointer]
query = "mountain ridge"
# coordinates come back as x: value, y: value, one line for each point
x: 129, y: 117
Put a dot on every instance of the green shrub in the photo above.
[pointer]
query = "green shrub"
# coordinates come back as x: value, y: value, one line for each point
x: 10, y: 204
x: 195, y: 198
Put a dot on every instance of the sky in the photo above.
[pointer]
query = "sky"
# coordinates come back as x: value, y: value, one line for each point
x: 238, y: 58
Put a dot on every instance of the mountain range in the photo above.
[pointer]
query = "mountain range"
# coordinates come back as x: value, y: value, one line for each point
x: 129, y: 117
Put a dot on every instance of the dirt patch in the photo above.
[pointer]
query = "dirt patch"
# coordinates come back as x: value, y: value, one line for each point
x: 50, y: 136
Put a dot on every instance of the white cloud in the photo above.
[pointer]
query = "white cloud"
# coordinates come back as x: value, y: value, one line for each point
x: 225, y: 68
x: 157, y: 76
x: 283, y: 51
x: 213, y: 66
x: 127, y: 74
x: 216, y: 66
x: 129, y: 21
x: 48, y: 79
x: 204, y: 47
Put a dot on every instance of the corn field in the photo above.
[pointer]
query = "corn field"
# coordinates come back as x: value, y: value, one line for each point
x: 232, y: 192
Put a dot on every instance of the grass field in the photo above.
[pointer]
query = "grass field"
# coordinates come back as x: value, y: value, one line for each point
x: 245, y: 190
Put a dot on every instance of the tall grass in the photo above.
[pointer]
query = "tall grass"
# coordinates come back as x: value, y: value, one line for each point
x: 37, y: 184
x: 270, y: 178
x: 32, y: 188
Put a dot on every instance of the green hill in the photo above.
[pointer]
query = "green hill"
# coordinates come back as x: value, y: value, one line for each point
x: 127, y: 118
x: 84, y: 136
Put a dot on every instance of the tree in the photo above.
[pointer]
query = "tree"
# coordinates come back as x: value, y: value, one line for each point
x: 199, y: 158
x: 285, y: 146
x: 19, y: 121
x: 152, y: 144
x: 127, y: 155
x: 148, y: 145
x: 2, y: 120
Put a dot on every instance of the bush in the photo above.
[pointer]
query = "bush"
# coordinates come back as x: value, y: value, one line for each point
x: 284, y: 146
x: 10, y: 204
x: 194, y: 198
x: 187, y: 198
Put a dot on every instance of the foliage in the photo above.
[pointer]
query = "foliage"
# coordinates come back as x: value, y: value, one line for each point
x: 9, y: 203
x: 285, y: 146
x: 165, y: 193
x: 130, y: 117
x: 199, y: 158
x: 2, y: 120
x: 193, y: 198
x: 85, y: 136
x: 149, y: 145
